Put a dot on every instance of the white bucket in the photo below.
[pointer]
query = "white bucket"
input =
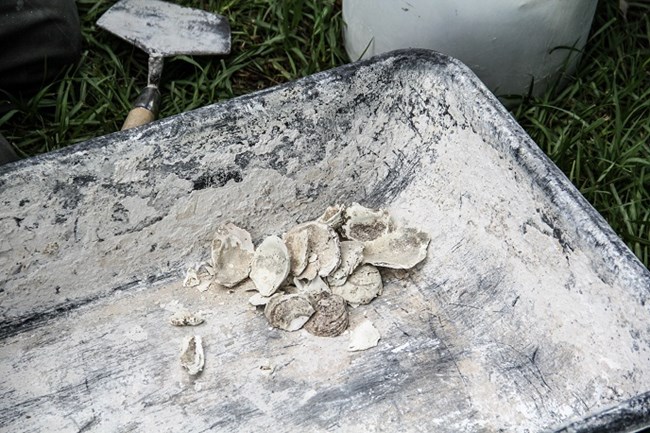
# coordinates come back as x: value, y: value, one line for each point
x: 510, y: 44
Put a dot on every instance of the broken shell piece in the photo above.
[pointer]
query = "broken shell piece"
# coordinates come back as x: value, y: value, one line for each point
x: 361, y: 287
x: 206, y: 267
x: 199, y: 276
x: 315, y: 285
x: 351, y: 257
x: 314, y: 250
x: 270, y: 265
x: 364, y: 336
x: 206, y: 275
x: 330, y: 318
x: 288, y: 312
x: 400, y: 249
x: 311, y: 271
x: 258, y: 300
x: 333, y: 216
x: 314, y: 289
x: 232, y: 253
x: 364, y: 224
x: 192, y: 358
x: 185, y: 318
x: 204, y: 285
x: 191, y: 277
x: 323, y: 251
x: 324, y: 242
x: 297, y: 242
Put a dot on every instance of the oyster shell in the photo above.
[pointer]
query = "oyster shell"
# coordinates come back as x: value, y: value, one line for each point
x: 288, y: 312
x: 363, y: 224
x: 232, y: 253
x: 297, y: 242
x: 270, y: 265
x: 351, y: 257
x: 330, y: 318
x: 361, y: 287
x: 400, y: 249
x: 185, y: 318
x: 333, y: 216
x: 364, y: 336
x: 192, y: 358
x: 315, y: 289
x: 322, y: 253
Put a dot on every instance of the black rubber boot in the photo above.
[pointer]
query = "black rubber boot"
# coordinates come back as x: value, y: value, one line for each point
x: 7, y: 153
x: 38, y: 39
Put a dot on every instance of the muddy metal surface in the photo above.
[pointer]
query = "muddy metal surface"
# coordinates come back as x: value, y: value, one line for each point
x: 528, y: 313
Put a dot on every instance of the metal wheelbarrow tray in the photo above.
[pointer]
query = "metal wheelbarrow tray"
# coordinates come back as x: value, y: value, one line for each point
x: 528, y: 314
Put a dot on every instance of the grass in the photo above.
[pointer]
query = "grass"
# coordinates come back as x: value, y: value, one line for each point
x: 596, y: 129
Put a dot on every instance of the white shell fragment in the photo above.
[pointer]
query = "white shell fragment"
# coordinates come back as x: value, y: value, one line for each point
x: 258, y: 300
x: 333, y: 216
x: 288, y: 312
x: 363, y: 224
x: 191, y: 277
x: 199, y: 276
x: 270, y: 265
x: 192, y: 358
x: 185, y: 318
x: 351, y: 257
x: 232, y: 253
x: 363, y: 337
x: 323, y: 253
x: 361, y: 287
x: 204, y: 286
x: 208, y: 268
x: 400, y: 249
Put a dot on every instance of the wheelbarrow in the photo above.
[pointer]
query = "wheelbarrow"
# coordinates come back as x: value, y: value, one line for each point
x: 528, y: 314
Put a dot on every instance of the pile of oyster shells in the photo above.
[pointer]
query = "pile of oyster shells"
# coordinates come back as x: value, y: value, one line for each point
x: 308, y: 277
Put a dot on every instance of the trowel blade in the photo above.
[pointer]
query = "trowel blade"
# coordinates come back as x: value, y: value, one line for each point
x: 167, y: 29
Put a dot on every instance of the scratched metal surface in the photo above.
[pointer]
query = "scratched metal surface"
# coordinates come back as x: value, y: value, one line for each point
x: 167, y: 29
x: 529, y: 313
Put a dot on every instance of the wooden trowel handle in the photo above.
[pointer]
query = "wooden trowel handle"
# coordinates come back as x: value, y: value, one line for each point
x: 145, y: 108
x: 138, y: 116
